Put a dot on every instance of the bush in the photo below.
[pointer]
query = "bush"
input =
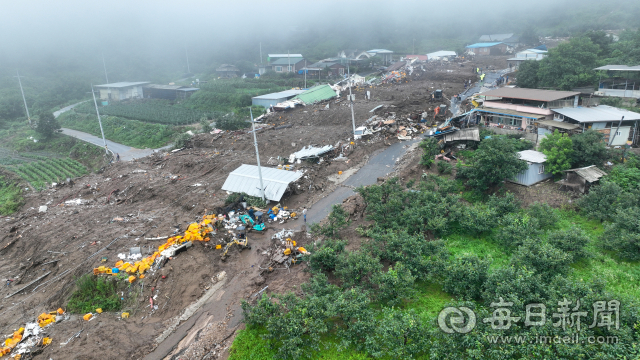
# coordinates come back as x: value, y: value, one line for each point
x: 10, y: 197
x: 444, y: 167
x: 431, y: 149
x: 516, y: 228
x: 547, y: 260
x: 357, y: 268
x: 544, y: 213
x: 181, y: 141
x: 572, y: 241
x: 477, y: 219
x: 231, y: 122
x: 503, y: 205
x: 465, y: 276
x: 337, y: 220
x: 623, y: 235
x: 205, y: 126
x: 394, y: 285
x: 94, y: 292
x: 325, y: 257
x: 600, y: 202
x: 514, y: 284
x: 628, y: 178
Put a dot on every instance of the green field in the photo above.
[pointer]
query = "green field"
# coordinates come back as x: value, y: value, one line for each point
x: 42, y: 172
x: 132, y: 133
x: 148, y: 110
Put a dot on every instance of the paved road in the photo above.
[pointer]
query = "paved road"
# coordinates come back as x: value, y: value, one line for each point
x: 379, y: 165
x: 127, y: 153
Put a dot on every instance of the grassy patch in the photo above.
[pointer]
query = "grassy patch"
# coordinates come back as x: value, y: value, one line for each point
x: 10, y: 197
x: 133, y: 133
x: 94, y: 292
x: 429, y: 299
x: 149, y: 110
x: 483, y: 247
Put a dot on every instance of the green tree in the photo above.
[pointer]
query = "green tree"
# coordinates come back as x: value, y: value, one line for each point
x: 431, y: 149
x: 527, y: 76
x: 572, y: 241
x: 337, y: 220
x: 46, y: 124
x: 588, y: 149
x: 544, y: 213
x: 570, y: 64
x: 628, y: 178
x: 529, y: 36
x: 558, y: 148
x: 357, y: 268
x: 465, y: 276
x: 495, y: 160
x: 547, y: 260
x: 623, y: 235
x: 394, y: 285
x: 601, y: 201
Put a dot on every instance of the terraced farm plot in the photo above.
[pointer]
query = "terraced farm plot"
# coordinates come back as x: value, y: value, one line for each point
x: 155, y: 111
x: 40, y: 173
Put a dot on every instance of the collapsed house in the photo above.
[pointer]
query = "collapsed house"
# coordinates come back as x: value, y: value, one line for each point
x: 581, y: 179
x: 246, y: 179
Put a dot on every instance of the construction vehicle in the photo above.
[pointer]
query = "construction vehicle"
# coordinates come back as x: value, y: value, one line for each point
x: 240, y: 240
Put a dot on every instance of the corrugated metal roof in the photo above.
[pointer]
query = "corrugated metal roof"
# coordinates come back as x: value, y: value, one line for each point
x: 279, y: 95
x: 310, y: 152
x: 463, y: 134
x: 316, y: 94
x: 600, y: 113
x: 589, y: 173
x: 284, y: 55
x: 419, y: 57
x: 619, y: 68
x: 481, y: 45
x: 532, y: 156
x: 163, y: 87
x: 245, y: 179
x: 122, y: 84
x: 559, y: 124
x: 530, y: 94
x: 441, y: 53
x: 495, y: 37
x: 189, y: 89
x: 380, y: 51
x: 508, y: 112
x: 287, y: 61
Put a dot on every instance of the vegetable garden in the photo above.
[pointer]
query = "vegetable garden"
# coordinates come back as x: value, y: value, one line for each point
x: 39, y: 173
x: 150, y: 110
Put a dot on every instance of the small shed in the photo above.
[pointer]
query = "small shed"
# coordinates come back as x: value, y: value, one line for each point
x: 246, y: 179
x: 272, y: 99
x: 121, y: 90
x: 168, y: 92
x: 581, y: 179
x: 227, y: 71
x: 535, y: 173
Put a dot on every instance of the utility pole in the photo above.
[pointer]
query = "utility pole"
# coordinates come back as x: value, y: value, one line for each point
x: 260, y: 53
x: 23, y: 98
x: 289, y: 58
x: 106, y: 150
x: 255, y: 141
x: 414, y: 46
x: 187, y: 53
x: 305, y: 73
x: 105, y: 68
x: 616, y: 132
x: 353, y: 117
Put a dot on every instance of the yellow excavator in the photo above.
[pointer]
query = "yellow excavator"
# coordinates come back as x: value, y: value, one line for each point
x: 240, y: 240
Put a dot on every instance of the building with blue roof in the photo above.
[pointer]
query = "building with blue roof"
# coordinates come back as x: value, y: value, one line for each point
x: 489, y: 48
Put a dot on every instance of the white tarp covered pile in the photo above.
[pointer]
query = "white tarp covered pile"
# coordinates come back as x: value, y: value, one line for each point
x: 310, y: 152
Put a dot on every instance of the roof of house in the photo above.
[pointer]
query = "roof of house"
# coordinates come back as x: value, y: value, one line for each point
x: 245, y: 179
x: 536, y: 51
x: 523, y: 59
x: 495, y: 37
x: 324, y: 64
x: 482, y: 45
x: 464, y: 134
x: 531, y: 156
x: 619, y: 68
x: 122, y: 84
x: 441, y: 53
x: 530, y: 94
x: 541, y: 47
x: 284, y: 55
x: 559, y: 124
x: 279, y: 95
x: 163, y: 87
x: 508, y: 112
x: 188, y: 89
x: 600, y: 113
x: 316, y: 94
x: 589, y: 173
x: 396, y: 66
x: 419, y: 57
x: 380, y: 51
x: 287, y: 61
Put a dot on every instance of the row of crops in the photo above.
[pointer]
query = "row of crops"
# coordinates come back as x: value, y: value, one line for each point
x: 149, y: 110
x: 42, y: 172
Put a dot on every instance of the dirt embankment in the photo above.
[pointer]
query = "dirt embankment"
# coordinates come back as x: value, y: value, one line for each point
x: 159, y: 196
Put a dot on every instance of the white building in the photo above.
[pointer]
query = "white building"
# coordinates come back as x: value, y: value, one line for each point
x: 121, y: 90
